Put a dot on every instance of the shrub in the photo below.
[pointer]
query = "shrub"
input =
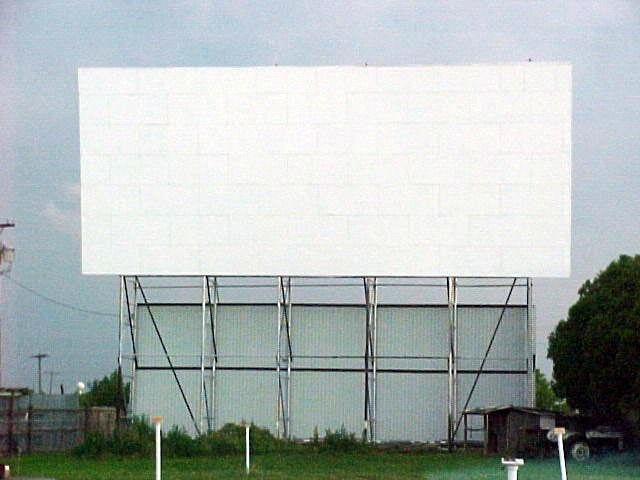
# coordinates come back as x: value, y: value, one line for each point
x: 137, y: 438
x: 95, y: 444
x: 134, y: 439
x: 178, y: 443
x: 341, y: 441
x: 230, y: 439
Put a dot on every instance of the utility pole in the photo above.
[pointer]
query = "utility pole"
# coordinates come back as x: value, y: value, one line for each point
x: 39, y: 357
x: 6, y: 260
x: 51, y: 375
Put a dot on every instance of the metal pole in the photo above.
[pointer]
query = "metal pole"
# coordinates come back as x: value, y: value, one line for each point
x: 39, y: 357
x: 51, y: 375
x: 157, y: 421
x: 247, y: 459
x: 454, y: 356
x: 215, y: 358
x: 559, y: 432
x: 202, y: 334
x: 289, y: 356
x: 374, y: 318
x: 134, y: 339
x: 279, y: 390
x: 121, y: 403
x: 367, y: 419
x: 452, y: 301
x: 531, y: 344
x: 120, y: 324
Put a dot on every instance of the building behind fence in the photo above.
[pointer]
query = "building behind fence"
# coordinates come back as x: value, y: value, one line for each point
x: 31, y: 423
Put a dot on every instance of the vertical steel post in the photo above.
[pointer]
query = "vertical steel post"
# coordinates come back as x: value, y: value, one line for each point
x: 289, y: 356
x: 214, y: 362
x: 531, y: 346
x: 202, y: 336
x: 374, y: 321
x: 452, y: 301
x: 120, y: 325
x: 366, y: 431
x: 121, y: 402
x: 370, y: 368
x: 278, y: 389
x: 134, y: 333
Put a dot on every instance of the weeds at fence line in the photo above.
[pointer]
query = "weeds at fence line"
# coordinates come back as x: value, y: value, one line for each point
x: 137, y: 439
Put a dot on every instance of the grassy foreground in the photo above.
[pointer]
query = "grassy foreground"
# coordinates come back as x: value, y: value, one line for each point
x: 314, y: 466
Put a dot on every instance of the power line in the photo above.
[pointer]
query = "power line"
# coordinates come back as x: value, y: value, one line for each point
x: 58, y: 303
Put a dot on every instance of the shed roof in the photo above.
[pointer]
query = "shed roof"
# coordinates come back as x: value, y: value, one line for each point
x: 503, y: 408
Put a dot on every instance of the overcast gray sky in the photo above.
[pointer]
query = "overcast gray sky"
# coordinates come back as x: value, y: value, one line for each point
x: 42, y: 43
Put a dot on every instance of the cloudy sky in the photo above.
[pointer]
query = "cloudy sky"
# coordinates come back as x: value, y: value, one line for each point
x: 42, y: 43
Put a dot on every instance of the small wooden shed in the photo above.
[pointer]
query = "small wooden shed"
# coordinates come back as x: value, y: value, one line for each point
x: 510, y: 430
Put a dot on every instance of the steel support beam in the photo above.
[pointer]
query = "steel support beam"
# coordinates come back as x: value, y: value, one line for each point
x: 284, y: 358
x: 288, y: 318
x: 203, y: 400
x: 213, y: 318
x: 131, y: 316
x: 134, y: 333
x: 531, y: 346
x: 121, y: 400
x: 370, y: 357
x: 452, y: 404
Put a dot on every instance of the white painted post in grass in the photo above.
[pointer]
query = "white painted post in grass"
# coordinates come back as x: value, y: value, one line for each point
x: 157, y: 422
x: 246, y: 446
x: 512, y: 465
x: 559, y: 432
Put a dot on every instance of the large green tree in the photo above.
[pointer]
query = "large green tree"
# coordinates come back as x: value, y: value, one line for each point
x: 596, y: 350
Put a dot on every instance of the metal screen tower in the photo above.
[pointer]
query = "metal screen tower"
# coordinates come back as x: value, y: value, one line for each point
x: 6, y: 260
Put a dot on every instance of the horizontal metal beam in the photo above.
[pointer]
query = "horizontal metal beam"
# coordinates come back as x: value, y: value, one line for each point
x: 354, y: 370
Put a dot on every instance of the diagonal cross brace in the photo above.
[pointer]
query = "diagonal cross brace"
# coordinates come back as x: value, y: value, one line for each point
x: 166, y: 353
x: 486, y: 354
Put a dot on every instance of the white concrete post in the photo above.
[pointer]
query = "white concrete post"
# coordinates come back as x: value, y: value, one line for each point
x: 512, y: 465
x: 247, y: 450
x: 559, y: 432
x: 157, y: 422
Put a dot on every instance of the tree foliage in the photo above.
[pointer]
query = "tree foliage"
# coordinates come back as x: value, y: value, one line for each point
x: 108, y: 392
x: 596, y: 350
x: 546, y: 397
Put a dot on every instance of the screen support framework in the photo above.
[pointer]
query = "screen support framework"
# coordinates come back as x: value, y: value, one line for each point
x: 204, y: 417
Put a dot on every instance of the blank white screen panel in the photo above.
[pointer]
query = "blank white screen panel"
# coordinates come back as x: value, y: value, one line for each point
x: 327, y: 171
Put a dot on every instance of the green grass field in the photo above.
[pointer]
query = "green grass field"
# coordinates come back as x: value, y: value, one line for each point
x: 314, y: 466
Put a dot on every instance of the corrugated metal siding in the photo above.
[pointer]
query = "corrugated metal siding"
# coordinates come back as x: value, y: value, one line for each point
x: 411, y: 407
x: 475, y: 327
x: 247, y: 335
x: 412, y: 332
x: 326, y: 400
x: 328, y: 332
x: 180, y: 327
x: 157, y: 393
x: 246, y: 395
